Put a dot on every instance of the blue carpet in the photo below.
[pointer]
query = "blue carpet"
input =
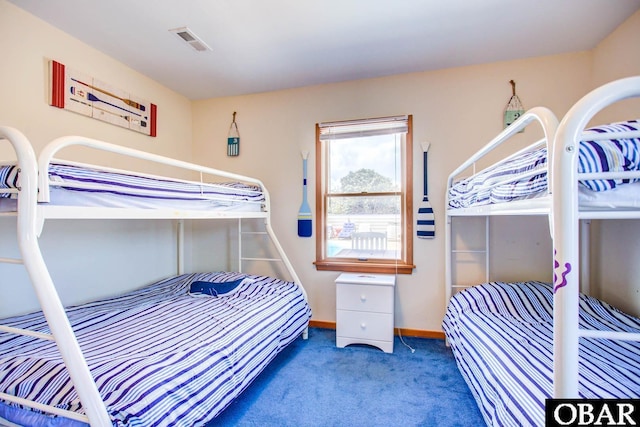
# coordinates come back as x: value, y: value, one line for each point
x: 313, y: 383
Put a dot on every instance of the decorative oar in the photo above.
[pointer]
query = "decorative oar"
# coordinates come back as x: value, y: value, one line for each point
x: 425, y: 227
x: 304, y: 214
x: 129, y: 102
x: 91, y: 97
x: 141, y: 123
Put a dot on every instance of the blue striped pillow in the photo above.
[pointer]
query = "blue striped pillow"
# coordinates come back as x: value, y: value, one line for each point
x: 612, y: 155
x: 214, y: 289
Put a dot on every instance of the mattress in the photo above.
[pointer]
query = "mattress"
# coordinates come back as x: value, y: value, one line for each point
x: 525, y: 176
x: 77, y: 185
x: 160, y: 355
x: 501, y: 335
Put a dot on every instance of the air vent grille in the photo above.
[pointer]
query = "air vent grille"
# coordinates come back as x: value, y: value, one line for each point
x: 186, y: 35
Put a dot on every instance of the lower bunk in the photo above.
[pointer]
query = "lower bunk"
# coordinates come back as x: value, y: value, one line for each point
x: 502, y: 337
x: 174, y: 353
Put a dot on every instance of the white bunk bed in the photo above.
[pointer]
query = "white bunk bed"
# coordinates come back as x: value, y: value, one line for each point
x: 86, y: 380
x: 518, y: 344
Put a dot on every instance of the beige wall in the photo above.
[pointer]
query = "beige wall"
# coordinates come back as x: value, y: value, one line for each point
x: 457, y: 110
x: 615, y: 266
x: 93, y: 261
x: 618, y: 55
x: 27, y: 43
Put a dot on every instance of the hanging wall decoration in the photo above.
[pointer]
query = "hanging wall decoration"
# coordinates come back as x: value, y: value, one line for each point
x: 514, y: 108
x: 80, y: 93
x: 233, y: 139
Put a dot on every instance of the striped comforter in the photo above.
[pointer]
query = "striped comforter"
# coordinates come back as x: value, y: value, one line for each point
x: 159, y: 355
x: 502, y: 337
x: 525, y: 176
x: 92, y: 181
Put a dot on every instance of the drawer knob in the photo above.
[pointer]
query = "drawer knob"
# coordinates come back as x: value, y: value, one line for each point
x: 363, y: 298
x: 363, y: 326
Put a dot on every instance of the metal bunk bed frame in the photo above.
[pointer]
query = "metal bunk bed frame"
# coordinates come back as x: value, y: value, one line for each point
x: 538, y: 206
x: 566, y: 216
x: 569, y: 225
x: 32, y: 211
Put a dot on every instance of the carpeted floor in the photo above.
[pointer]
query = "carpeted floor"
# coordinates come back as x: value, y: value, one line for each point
x: 313, y: 383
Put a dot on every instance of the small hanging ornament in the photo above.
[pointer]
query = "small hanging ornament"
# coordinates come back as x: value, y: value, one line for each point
x: 514, y: 108
x: 233, y: 139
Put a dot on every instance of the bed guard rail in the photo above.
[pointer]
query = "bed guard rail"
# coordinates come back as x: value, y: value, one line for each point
x: 50, y: 150
x: 542, y: 115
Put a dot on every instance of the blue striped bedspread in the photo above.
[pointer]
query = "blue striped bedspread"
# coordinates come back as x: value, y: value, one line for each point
x: 501, y: 335
x: 525, y: 176
x: 160, y: 356
x: 84, y: 179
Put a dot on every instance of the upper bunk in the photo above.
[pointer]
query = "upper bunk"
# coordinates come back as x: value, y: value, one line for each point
x: 36, y: 189
x: 75, y: 190
x: 605, y: 166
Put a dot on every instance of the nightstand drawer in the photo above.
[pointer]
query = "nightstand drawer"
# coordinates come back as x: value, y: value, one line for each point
x: 364, y: 315
x: 365, y: 326
x: 372, y: 298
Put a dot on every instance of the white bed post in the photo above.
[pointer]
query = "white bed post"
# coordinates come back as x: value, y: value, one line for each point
x: 180, y: 259
x: 566, y: 267
x: 487, y: 248
x: 240, y: 245
x: 43, y: 284
x: 447, y: 256
x: 566, y: 218
x: 585, y: 261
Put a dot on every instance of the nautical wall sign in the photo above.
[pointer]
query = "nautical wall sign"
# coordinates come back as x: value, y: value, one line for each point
x: 83, y: 94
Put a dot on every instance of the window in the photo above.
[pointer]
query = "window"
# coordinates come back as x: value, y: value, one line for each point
x: 364, y: 195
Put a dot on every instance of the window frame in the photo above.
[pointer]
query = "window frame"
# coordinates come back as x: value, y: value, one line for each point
x: 404, y: 265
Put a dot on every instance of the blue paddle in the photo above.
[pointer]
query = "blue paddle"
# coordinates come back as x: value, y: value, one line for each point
x: 305, y: 225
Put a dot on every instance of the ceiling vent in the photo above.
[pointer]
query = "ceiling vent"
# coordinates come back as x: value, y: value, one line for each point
x: 186, y: 35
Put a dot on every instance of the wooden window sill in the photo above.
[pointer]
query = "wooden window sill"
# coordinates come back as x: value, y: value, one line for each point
x: 365, y: 267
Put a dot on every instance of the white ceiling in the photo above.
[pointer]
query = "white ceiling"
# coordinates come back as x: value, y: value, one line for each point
x: 265, y: 45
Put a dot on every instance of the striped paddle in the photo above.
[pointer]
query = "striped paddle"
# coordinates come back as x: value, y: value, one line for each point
x: 425, y: 226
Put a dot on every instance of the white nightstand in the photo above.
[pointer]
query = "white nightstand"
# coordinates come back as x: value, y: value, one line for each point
x: 365, y: 306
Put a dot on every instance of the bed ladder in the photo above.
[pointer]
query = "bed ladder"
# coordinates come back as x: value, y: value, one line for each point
x: 61, y: 330
x: 282, y: 256
x: 267, y: 232
x: 242, y: 257
x: 452, y: 253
